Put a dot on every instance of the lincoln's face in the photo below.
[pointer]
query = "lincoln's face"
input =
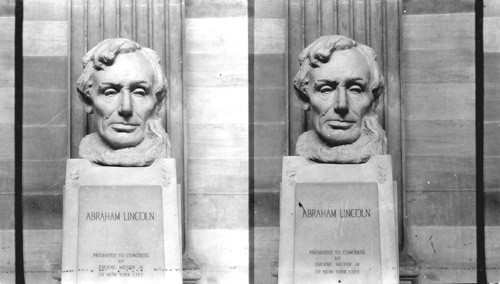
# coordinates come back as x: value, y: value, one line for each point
x: 340, y: 95
x: 123, y: 100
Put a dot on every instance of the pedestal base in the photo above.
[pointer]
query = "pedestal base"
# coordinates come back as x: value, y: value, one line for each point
x: 338, y: 222
x: 121, y: 224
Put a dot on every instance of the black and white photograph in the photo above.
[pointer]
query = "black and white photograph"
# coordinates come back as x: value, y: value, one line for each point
x: 250, y: 141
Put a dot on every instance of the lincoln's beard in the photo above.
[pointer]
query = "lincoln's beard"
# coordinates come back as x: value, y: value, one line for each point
x: 155, y: 145
x: 372, y: 141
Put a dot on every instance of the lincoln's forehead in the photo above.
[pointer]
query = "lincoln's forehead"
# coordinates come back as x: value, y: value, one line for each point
x: 343, y: 63
x: 127, y: 66
x: 131, y: 59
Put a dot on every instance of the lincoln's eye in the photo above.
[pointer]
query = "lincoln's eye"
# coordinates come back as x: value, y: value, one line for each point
x: 110, y: 92
x: 355, y: 89
x: 326, y: 89
x: 140, y: 92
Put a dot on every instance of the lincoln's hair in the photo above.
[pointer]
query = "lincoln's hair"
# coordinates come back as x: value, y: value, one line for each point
x: 320, y: 51
x: 105, y: 53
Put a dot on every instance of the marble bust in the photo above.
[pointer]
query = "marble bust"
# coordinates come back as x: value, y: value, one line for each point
x: 123, y: 86
x: 340, y: 82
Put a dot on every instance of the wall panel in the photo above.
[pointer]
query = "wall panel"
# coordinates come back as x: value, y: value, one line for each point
x: 269, y: 127
x: 7, y: 248
x: 7, y: 240
x: 439, y: 140
x: 217, y: 84
x: 46, y: 132
x: 491, y: 36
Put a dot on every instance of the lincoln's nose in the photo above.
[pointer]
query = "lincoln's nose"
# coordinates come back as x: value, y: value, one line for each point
x: 125, y: 108
x: 340, y: 104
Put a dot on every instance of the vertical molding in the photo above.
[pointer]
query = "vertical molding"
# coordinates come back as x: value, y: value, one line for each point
x: 382, y: 109
x: 159, y: 14
x: 110, y: 21
x: 377, y: 42
x: 176, y: 117
x: 134, y: 20
x: 288, y: 83
x: 312, y: 21
x: 393, y: 101
x: 150, y: 24
x: 175, y: 123
x: 78, y: 120
x: 359, y: 21
x: 166, y: 62
x: 328, y: 12
x: 102, y: 18
x: 93, y: 23
x: 175, y: 114
x: 94, y: 28
x: 344, y: 18
x: 368, y: 18
x: 376, y: 30
x: 296, y: 117
x: 312, y: 31
x: 158, y: 31
x: 142, y: 22
x: 126, y: 19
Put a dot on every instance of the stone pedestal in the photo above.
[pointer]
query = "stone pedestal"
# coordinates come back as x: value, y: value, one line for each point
x: 338, y: 222
x: 121, y: 224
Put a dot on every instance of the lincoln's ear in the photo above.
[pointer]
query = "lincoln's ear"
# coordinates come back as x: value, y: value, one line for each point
x: 375, y: 104
x: 306, y: 106
x: 304, y: 99
x: 88, y: 108
x: 87, y: 102
x: 158, y: 107
x: 162, y: 96
x: 376, y: 96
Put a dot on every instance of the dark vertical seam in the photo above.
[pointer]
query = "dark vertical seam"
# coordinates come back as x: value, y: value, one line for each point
x: 480, y: 236
x: 18, y: 142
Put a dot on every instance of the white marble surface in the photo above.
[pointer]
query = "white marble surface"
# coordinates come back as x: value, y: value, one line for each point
x: 149, y: 248
x: 377, y: 171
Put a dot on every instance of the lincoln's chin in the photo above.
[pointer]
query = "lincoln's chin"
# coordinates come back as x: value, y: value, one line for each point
x: 154, y: 145
x: 357, y: 149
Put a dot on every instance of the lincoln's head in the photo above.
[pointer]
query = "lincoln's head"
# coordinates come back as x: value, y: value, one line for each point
x: 340, y: 82
x: 123, y: 85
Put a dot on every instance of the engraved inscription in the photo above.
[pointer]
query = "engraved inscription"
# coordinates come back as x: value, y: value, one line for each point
x: 336, y: 233
x: 120, y: 234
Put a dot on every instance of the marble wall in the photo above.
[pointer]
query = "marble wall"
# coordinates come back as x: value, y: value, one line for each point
x: 216, y: 101
x: 491, y: 35
x: 7, y: 244
x: 438, y: 75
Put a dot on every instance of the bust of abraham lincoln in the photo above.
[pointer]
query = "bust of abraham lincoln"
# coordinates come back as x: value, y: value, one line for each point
x: 123, y: 86
x: 340, y: 83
